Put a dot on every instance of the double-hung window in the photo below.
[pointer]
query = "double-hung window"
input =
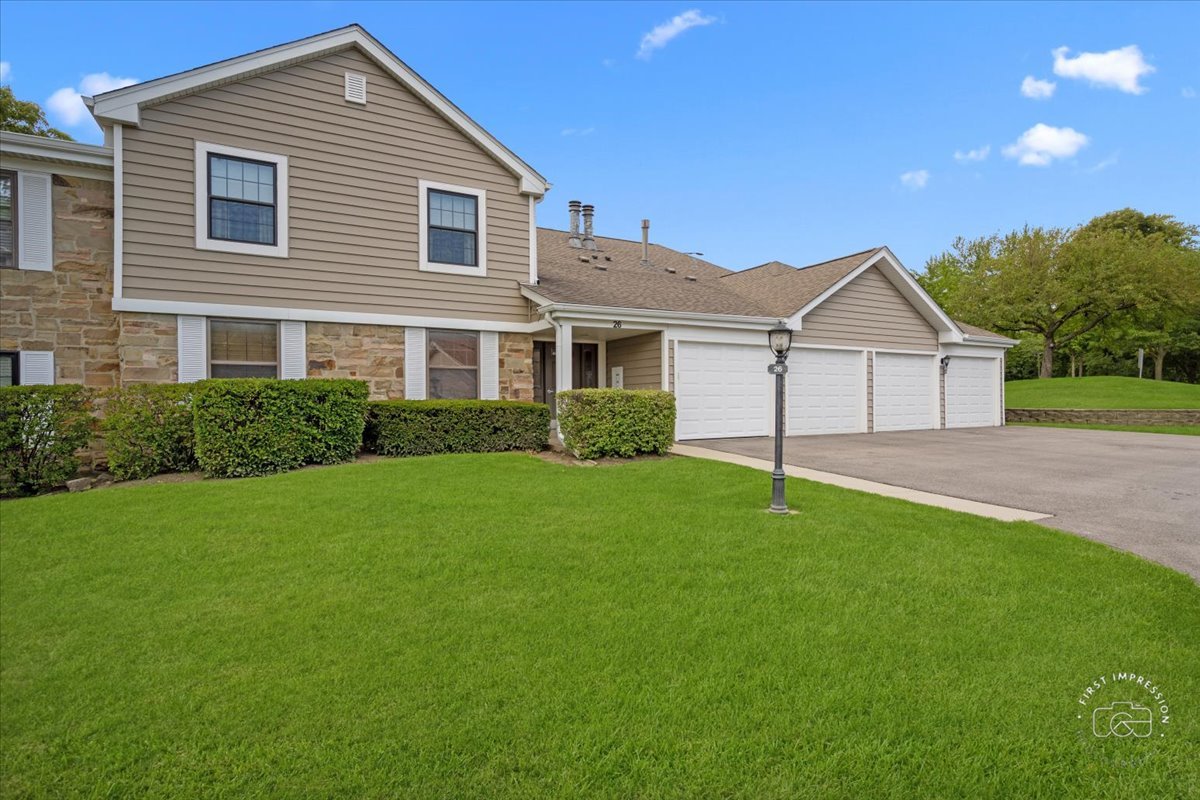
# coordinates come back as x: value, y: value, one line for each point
x: 453, y: 229
x: 243, y: 349
x: 241, y: 201
x: 10, y: 368
x: 453, y: 360
x: 8, y: 219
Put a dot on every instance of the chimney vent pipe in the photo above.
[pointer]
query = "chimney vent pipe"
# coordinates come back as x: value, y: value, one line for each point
x: 573, y: 208
x: 589, y: 212
x: 645, y: 243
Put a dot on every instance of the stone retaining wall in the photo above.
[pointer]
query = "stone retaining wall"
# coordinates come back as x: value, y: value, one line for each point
x: 1107, y: 416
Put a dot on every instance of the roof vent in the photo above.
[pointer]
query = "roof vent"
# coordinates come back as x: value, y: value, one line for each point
x: 671, y: 270
x: 689, y: 278
x: 600, y: 267
x: 585, y: 259
x: 356, y: 88
x: 608, y: 258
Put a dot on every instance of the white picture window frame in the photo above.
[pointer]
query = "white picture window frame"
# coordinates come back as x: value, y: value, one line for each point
x: 480, y: 195
x: 203, y: 242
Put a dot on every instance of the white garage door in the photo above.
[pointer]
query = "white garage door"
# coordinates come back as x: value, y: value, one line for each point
x: 904, y: 391
x: 722, y: 390
x: 971, y: 392
x: 827, y: 391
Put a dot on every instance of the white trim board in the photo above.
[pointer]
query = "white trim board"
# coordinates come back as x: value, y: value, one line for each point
x: 125, y: 105
x: 319, y: 315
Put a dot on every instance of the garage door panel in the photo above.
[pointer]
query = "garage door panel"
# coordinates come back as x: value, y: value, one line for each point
x: 826, y: 391
x: 971, y: 392
x: 722, y: 390
x: 904, y: 388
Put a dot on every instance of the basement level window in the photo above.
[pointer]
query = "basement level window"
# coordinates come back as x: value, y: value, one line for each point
x: 243, y: 349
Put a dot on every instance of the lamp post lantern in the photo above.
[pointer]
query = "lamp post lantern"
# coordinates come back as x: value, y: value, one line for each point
x: 780, y: 338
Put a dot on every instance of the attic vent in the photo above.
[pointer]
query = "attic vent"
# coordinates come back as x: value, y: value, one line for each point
x: 600, y: 267
x: 689, y: 278
x: 608, y: 258
x: 585, y: 259
x: 671, y: 270
x: 356, y: 88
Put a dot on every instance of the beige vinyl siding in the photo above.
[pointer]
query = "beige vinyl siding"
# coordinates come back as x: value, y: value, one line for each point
x: 353, y: 219
x: 868, y: 312
x: 641, y: 356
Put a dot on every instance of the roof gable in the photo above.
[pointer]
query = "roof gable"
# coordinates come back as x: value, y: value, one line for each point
x: 123, y: 106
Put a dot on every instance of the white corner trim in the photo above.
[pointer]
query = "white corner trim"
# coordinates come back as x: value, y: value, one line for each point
x: 319, y: 315
x: 118, y: 210
x: 533, y: 247
x: 203, y: 242
x: 666, y: 362
x: 480, y: 195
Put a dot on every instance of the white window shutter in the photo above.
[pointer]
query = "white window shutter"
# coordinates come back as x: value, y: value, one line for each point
x: 193, y: 348
x: 293, y: 352
x: 35, y: 226
x: 489, y: 365
x: 414, y: 364
x: 37, y: 366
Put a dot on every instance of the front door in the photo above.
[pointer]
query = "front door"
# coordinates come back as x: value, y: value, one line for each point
x: 585, y: 370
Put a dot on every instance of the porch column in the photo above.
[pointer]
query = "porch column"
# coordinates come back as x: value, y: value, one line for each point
x: 562, y: 348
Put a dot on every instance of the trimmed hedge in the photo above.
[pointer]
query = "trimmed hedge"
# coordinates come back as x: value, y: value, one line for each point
x: 257, y: 426
x: 424, y: 427
x: 41, y: 427
x: 148, y: 430
x: 616, y: 422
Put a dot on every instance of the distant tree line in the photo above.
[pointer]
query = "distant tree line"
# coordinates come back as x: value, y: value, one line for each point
x: 1082, y: 300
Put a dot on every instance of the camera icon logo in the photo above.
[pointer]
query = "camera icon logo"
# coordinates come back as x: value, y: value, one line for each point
x: 1122, y: 719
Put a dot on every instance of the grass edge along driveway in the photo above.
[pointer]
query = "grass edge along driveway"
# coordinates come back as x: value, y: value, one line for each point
x: 483, y: 626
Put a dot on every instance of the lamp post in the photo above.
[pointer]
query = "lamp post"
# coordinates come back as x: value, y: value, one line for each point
x: 780, y: 338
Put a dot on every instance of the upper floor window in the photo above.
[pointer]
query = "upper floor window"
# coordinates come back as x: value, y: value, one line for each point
x: 453, y: 229
x: 241, y: 201
x: 8, y: 219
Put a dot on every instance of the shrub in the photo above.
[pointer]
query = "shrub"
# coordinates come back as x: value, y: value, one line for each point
x: 616, y: 422
x: 148, y: 430
x: 423, y: 427
x: 41, y: 427
x: 257, y: 426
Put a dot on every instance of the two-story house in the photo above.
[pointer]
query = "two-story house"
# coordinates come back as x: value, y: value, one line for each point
x: 317, y: 209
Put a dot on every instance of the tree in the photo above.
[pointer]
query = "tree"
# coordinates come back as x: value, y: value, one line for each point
x: 25, y: 116
x: 1168, y: 322
x: 1051, y: 283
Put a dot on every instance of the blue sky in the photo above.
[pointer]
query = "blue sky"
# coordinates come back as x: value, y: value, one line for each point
x: 748, y: 132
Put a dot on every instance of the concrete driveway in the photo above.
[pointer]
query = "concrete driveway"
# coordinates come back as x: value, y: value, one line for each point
x: 1136, y: 491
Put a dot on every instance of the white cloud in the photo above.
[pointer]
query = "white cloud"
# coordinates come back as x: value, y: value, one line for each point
x: 662, y: 34
x: 1041, y: 144
x: 66, y: 104
x: 916, y: 179
x: 1188, y: 93
x: 1037, y: 89
x: 5, y: 70
x: 1104, y: 164
x: 978, y: 154
x: 578, y: 131
x: 1114, y: 69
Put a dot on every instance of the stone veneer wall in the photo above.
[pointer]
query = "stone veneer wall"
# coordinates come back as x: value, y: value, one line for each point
x: 1101, y: 416
x: 516, y: 366
x: 149, y: 348
x: 69, y: 309
x: 371, y: 353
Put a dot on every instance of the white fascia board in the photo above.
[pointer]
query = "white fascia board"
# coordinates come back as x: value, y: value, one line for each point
x: 39, y: 148
x: 912, y: 291
x: 318, y: 315
x: 607, y: 315
x: 124, y: 105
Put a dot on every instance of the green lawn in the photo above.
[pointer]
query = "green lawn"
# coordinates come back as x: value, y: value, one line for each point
x: 1178, y: 430
x: 499, y: 626
x: 1100, y: 392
